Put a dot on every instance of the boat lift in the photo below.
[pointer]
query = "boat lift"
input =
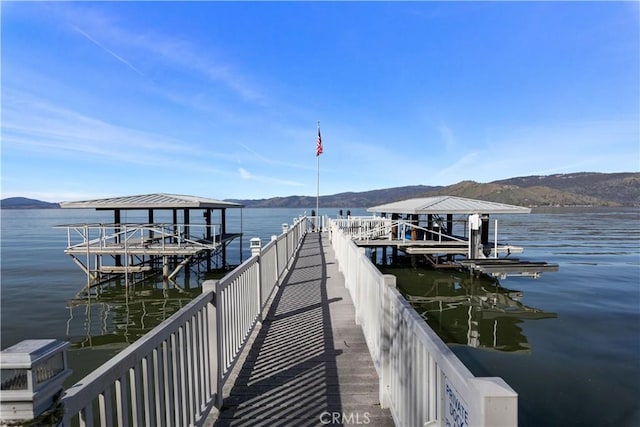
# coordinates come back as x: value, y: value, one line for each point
x: 425, y: 226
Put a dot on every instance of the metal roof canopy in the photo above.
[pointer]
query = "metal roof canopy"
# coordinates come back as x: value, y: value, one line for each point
x: 448, y: 205
x: 152, y: 201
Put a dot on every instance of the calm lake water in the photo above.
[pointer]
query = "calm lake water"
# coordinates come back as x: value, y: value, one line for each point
x: 568, y: 342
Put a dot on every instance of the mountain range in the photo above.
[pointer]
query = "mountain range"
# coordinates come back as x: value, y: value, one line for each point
x: 576, y: 189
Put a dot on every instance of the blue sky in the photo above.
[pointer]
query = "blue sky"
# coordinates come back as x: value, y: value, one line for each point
x: 222, y: 100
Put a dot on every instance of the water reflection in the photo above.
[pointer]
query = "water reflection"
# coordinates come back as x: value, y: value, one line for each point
x: 113, y: 316
x: 468, y: 310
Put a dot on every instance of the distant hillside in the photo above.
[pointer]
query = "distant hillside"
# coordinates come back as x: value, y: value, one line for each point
x: 514, y: 195
x: 341, y: 200
x: 577, y: 189
x: 622, y: 188
x: 24, y: 203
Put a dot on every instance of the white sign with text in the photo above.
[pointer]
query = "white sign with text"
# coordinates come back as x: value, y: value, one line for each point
x: 456, y: 410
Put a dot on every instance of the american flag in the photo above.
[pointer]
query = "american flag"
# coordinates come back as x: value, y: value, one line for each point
x: 319, y: 144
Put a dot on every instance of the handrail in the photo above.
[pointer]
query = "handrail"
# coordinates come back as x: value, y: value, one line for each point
x: 367, y: 228
x: 148, y: 369
x: 422, y: 381
x: 126, y: 231
x: 174, y: 375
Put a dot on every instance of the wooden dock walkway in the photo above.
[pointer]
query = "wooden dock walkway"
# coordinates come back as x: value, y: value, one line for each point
x: 308, y: 364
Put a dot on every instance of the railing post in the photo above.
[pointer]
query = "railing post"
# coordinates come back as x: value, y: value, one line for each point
x: 385, y: 340
x: 215, y: 361
x: 32, y: 373
x: 256, y: 249
x: 285, y: 229
x: 359, y: 286
x: 498, y: 405
x: 275, y: 255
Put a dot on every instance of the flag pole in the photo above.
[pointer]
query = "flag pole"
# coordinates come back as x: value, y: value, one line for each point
x: 318, y: 152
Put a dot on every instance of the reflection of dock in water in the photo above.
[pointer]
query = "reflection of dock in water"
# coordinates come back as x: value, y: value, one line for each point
x: 114, y: 316
x: 468, y: 310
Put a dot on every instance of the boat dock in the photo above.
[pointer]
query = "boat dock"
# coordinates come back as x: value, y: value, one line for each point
x: 305, y: 332
x: 108, y: 250
x: 444, y: 232
x: 308, y: 362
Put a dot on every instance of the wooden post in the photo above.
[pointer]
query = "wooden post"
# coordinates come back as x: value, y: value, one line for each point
x: 174, y: 260
x: 394, y: 249
x: 209, y: 234
x: 450, y: 257
x: 223, y: 231
x: 414, y: 231
x: 116, y: 220
x: 151, y: 236
x: 175, y: 223
x: 186, y: 223
x: 484, y: 231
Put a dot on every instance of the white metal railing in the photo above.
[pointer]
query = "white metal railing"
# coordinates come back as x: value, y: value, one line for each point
x: 161, y: 379
x: 371, y: 227
x: 365, y: 228
x: 421, y: 381
x: 174, y: 375
x: 100, y: 236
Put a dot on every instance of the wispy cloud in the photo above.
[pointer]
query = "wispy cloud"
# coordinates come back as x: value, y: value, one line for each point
x: 32, y: 124
x: 107, y: 50
x: 278, y: 162
x: 245, y: 174
x: 447, y: 135
x: 207, y: 61
x: 460, y: 167
x: 248, y: 176
x: 560, y: 147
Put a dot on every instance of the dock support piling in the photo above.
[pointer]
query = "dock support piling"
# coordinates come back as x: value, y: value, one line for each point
x: 165, y: 267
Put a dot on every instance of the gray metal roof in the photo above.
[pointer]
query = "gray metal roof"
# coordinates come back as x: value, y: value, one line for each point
x: 447, y: 205
x: 151, y: 201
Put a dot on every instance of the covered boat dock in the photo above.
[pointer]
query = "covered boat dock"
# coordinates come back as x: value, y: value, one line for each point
x: 449, y: 231
x: 103, y: 250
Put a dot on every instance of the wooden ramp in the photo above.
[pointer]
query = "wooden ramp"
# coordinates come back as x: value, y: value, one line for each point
x: 308, y: 364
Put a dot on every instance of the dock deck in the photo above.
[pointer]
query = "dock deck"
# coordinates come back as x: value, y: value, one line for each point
x: 308, y: 363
